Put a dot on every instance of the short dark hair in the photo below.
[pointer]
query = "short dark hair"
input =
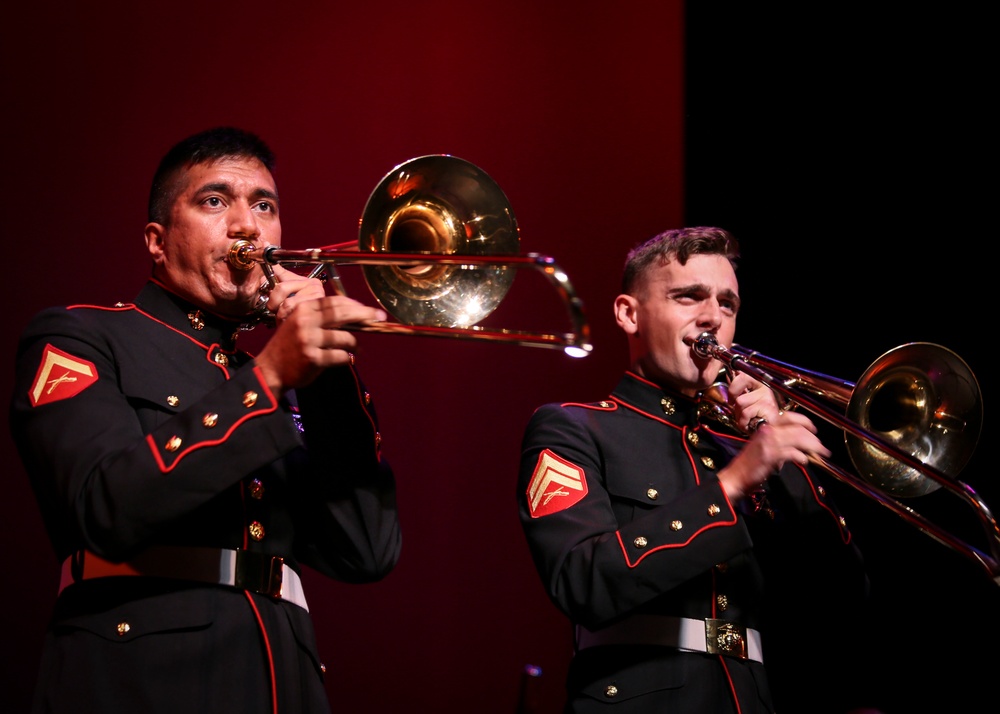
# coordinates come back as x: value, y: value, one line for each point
x: 679, y: 243
x: 223, y: 142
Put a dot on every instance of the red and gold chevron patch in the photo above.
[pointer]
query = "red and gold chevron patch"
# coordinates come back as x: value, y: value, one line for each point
x: 555, y: 485
x: 60, y: 376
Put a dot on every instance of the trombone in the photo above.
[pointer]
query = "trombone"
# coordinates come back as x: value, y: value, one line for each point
x: 910, y: 424
x: 438, y: 247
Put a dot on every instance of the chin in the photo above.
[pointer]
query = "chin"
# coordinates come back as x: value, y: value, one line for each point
x: 707, y: 379
x: 235, y: 305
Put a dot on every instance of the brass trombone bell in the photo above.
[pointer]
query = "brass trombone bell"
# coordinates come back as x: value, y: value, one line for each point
x: 438, y: 247
x: 923, y: 399
x: 910, y: 425
x: 447, y: 206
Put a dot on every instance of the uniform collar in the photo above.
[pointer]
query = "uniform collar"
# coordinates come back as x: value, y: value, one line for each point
x: 652, y: 399
x: 202, y: 326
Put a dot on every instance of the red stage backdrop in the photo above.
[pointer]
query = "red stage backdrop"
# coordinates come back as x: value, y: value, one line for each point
x: 574, y: 109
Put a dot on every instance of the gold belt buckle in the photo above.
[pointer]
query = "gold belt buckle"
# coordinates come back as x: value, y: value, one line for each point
x: 725, y: 638
x: 260, y: 573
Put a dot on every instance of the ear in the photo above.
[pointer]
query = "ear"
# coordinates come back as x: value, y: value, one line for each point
x: 626, y: 314
x: 154, y: 241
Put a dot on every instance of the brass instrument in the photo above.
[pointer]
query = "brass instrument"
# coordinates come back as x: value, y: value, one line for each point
x: 910, y: 425
x: 438, y: 246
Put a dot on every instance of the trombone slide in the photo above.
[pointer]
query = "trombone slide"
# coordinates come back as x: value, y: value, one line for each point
x: 806, y: 389
x: 438, y: 248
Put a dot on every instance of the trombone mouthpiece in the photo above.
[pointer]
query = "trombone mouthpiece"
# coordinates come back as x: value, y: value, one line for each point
x: 240, y: 255
x: 704, y: 346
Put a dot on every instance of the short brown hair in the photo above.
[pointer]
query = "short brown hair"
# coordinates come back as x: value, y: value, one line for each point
x: 680, y: 243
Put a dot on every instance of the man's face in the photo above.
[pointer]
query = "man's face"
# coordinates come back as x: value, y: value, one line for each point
x: 675, y: 305
x: 218, y: 203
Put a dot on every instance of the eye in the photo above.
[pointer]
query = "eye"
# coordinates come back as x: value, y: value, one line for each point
x: 213, y: 201
x: 689, y: 297
x: 266, y: 207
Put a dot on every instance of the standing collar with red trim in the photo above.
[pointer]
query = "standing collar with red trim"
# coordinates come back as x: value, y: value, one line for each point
x: 649, y: 398
x: 172, y: 310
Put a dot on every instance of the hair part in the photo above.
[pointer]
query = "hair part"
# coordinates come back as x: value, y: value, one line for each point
x: 679, y: 244
x: 224, y: 142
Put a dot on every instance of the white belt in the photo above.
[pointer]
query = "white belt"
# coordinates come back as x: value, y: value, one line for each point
x: 264, y: 574
x: 711, y: 635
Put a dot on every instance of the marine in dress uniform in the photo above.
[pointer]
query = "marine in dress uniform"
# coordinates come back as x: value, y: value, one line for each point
x: 661, y: 576
x: 183, y: 498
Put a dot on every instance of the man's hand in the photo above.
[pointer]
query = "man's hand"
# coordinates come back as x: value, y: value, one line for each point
x: 775, y: 437
x: 307, y: 337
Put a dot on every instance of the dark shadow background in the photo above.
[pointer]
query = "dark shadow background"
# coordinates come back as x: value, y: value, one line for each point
x: 846, y: 149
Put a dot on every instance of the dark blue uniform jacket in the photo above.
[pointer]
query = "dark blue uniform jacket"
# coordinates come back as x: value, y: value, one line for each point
x: 143, y: 426
x: 624, y: 514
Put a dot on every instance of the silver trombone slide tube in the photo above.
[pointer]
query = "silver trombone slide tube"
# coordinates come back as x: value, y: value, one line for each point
x: 576, y: 343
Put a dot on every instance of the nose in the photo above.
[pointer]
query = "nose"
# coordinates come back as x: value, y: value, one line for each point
x: 710, y: 316
x: 243, y: 221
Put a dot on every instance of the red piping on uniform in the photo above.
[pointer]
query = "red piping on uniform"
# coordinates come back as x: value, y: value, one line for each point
x: 722, y: 659
x: 644, y: 413
x: 166, y: 469
x: 694, y: 466
x: 208, y: 358
x: 364, y: 407
x: 729, y: 678
x: 267, y: 650
x: 717, y: 524
x: 845, y: 534
x: 122, y: 308
x: 596, y: 407
x: 825, y: 507
x: 131, y: 306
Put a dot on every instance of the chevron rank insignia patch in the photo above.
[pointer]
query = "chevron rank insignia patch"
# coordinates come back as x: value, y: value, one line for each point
x: 60, y: 376
x: 555, y: 485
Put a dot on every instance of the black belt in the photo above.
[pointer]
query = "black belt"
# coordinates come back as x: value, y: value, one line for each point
x: 264, y: 574
x: 711, y: 635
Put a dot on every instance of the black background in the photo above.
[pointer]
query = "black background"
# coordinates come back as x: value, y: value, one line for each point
x: 848, y: 148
